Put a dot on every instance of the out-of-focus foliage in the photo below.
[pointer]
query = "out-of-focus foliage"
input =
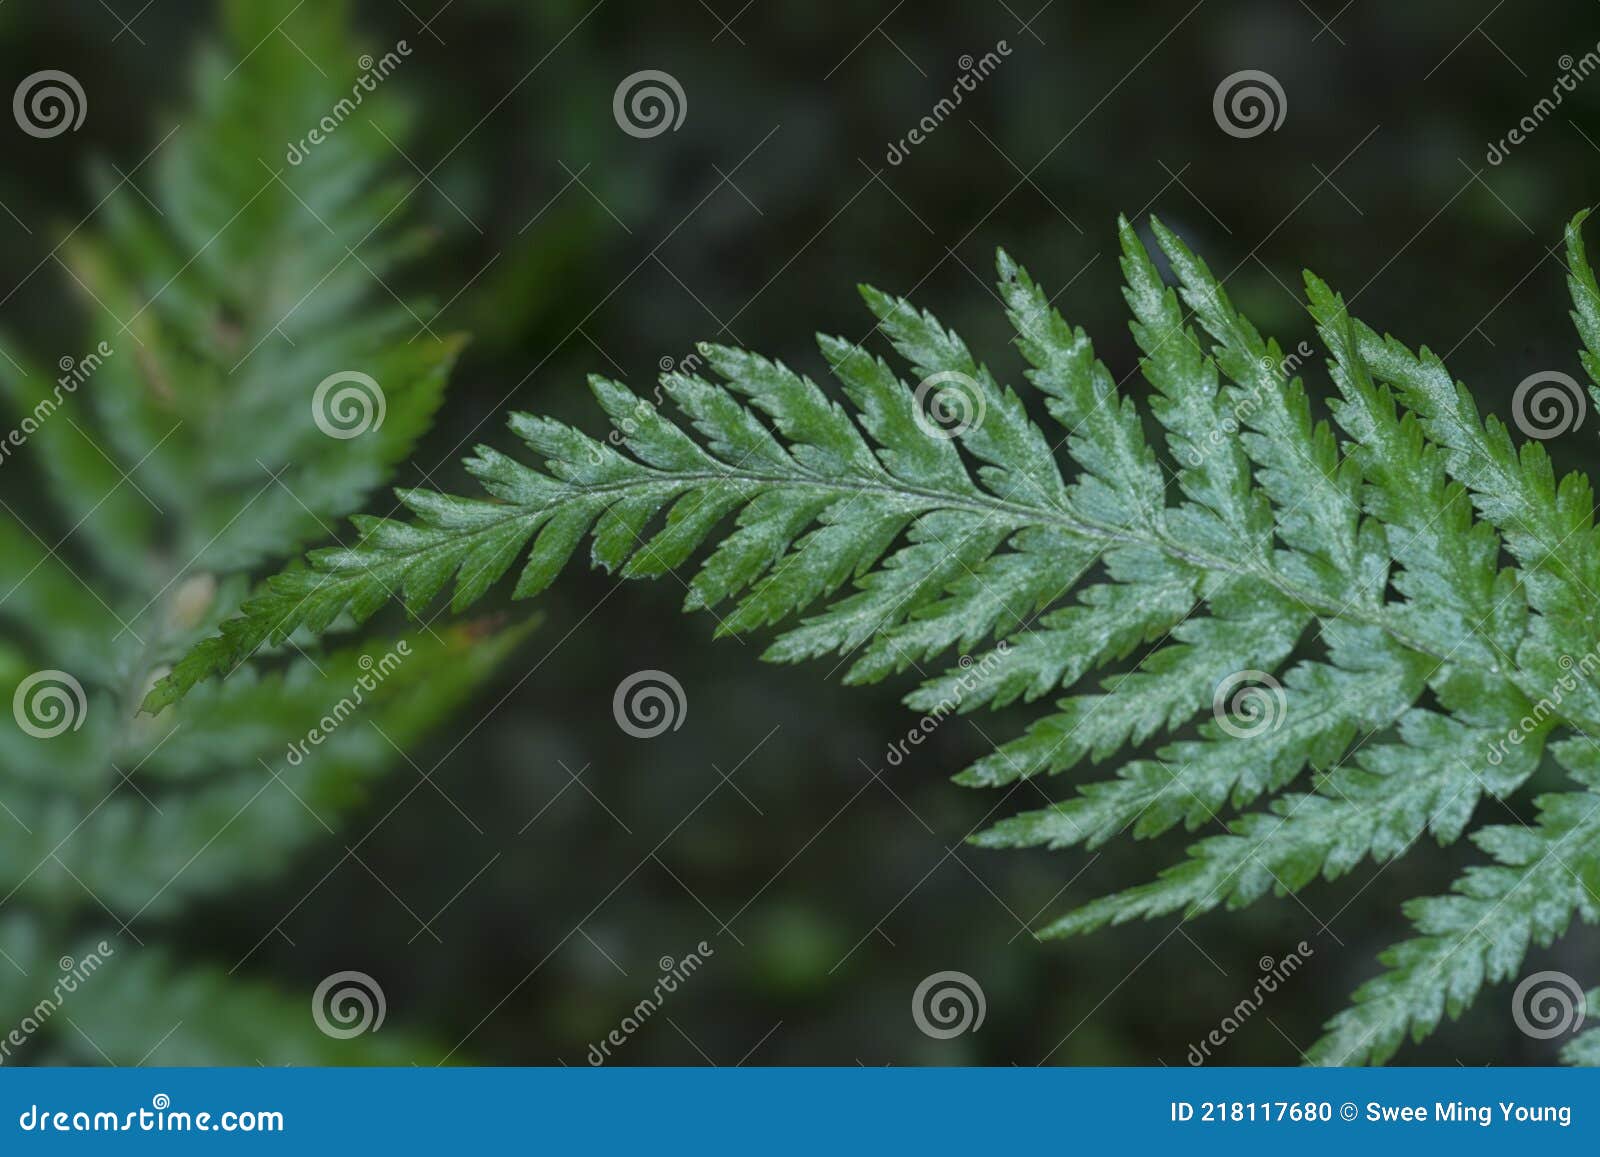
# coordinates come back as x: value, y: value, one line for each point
x: 181, y: 450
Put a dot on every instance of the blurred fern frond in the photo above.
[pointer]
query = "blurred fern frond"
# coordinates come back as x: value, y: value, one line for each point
x: 1441, y: 676
x: 186, y: 445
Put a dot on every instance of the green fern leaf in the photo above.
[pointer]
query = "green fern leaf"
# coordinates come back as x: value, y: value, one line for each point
x: 190, y: 451
x: 1328, y: 597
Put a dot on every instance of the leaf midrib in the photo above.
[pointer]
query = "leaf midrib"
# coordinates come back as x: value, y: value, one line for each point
x: 1020, y: 514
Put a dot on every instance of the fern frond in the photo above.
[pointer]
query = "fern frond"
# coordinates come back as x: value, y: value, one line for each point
x: 1332, y: 591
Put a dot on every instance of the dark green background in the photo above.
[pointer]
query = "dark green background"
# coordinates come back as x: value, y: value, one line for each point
x: 837, y: 896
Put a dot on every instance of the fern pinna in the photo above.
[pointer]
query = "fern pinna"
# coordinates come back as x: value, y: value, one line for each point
x: 186, y: 453
x: 913, y: 520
